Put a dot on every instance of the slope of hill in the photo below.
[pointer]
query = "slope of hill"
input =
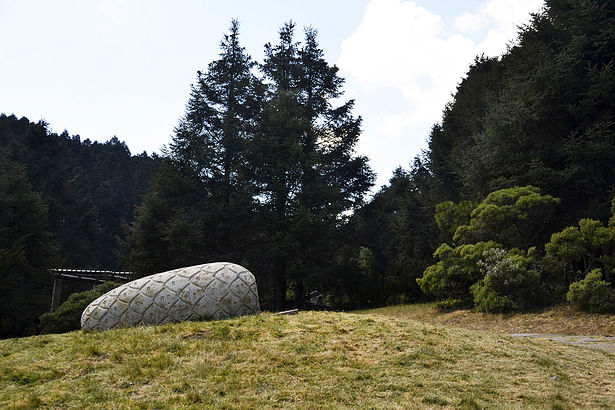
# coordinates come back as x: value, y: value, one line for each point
x: 313, y: 360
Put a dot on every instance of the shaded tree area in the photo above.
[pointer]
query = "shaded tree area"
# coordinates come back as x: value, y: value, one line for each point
x: 543, y: 115
x: 89, y: 188
x: 64, y: 202
x: 539, y: 121
x: 200, y: 207
x: 316, y: 178
x: 394, y: 236
x: 27, y: 249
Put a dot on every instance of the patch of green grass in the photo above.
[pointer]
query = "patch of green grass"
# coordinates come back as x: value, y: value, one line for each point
x: 313, y: 360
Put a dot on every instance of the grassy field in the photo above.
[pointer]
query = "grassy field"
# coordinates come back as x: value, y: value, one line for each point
x: 310, y: 360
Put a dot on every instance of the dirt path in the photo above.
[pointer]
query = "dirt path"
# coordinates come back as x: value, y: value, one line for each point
x: 561, y: 324
x: 594, y: 342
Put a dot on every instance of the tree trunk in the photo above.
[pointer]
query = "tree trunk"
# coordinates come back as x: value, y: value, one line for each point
x: 299, y: 294
x: 279, y: 302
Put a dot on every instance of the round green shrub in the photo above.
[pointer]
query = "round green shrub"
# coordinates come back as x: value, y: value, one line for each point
x: 455, y: 271
x: 68, y: 315
x: 592, y: 294
x: 509, y: 282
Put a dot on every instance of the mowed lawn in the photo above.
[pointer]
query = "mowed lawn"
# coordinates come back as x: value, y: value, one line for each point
x: 310, y: 360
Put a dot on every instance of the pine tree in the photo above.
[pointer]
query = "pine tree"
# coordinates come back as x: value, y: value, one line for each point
x: 209, y: 151
x: 211, y: 140
x: 305, y: 163
x: 27, y: 249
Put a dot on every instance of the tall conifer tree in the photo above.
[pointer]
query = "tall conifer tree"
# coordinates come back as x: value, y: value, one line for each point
x: 211, y: 220
x: 307, y: 168
x: 211, y: 140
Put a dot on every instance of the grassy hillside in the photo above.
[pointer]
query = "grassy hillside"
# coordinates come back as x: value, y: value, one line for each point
x: 311, y: 360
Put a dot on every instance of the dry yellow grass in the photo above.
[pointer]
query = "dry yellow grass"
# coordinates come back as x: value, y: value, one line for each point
x: 311, y: 360
x: 560, y: 320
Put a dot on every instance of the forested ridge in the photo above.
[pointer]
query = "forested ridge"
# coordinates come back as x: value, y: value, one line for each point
x: 509, y: 208
x: 525, y: 149
x: 64, y: 202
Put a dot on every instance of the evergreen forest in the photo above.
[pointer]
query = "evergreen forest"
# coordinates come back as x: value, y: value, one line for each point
x: 511, y: 207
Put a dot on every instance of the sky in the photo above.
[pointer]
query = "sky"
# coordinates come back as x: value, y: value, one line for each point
x: 123, y: 68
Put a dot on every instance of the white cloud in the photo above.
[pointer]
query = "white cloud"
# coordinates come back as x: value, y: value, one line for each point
x: 502, y: 18
x: 510, y: 12
x: 406, y: 53
x: 468, y: 22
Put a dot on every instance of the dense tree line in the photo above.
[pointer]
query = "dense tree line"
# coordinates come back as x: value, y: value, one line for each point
x: 540, y: 117
x: 64, y: 202
x: 27, y: 249
x: 90, y: 188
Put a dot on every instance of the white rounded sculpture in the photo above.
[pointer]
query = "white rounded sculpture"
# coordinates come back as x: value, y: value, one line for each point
x: 209, y: 291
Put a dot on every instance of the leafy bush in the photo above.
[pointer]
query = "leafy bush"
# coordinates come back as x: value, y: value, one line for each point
x: 455, y: 272
x: 450, y: 216
x: 592, y: 294
x: 575, y: 251
x: 68, y: 315
x: 513, y: 217
x: 509, y: 283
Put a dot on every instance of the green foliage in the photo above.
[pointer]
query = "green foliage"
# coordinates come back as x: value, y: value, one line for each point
x: 27, y: 248
x: 542, y: 114
x: 575, y: 251
x: 481, y: 268
x: 455, y: 271
x: 200, y: 207
x: 211, y: 141
x: 592, y: 294
x: 172, y: 226
x: 398, y: 228
x: 451, y: 143
x: 305, y: 165
x: 512, y: 217
x: 90, y: 189
x: 67, y: 316
x: 262, y: 172
x: 510, y: 282
x: 450, y: 216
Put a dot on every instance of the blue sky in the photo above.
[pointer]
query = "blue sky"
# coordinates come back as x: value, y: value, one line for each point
x: 124, y: 68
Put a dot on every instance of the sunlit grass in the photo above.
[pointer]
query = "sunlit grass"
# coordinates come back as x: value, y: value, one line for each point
x: 311, y: 360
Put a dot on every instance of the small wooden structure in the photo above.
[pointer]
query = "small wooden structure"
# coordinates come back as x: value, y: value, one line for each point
x: 83, y: 275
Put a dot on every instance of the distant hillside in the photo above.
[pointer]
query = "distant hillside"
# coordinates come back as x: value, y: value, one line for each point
x: 312, y: 360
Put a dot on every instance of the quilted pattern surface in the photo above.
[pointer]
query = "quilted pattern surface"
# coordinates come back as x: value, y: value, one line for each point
x: 210, y: 291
